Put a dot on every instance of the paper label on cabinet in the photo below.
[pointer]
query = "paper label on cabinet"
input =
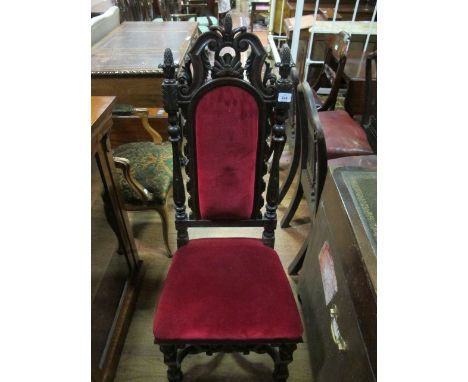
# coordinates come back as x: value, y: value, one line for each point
x: 327, y: 270
x: 284, y: 97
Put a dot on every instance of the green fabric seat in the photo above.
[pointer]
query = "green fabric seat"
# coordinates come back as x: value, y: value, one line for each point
x: 150, y: 165
x: 203, y: 28
x: 204, y: 22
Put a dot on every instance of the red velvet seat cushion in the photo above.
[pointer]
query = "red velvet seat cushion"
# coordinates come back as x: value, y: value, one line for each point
x: 226, y: 289
x: 343, y: 135
x: 226, y: 131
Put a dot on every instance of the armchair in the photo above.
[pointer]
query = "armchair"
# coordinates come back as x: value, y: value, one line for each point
x: 326, y: 135
x: 220, y: 293
x: 330, y: 75
x: 145, y: 175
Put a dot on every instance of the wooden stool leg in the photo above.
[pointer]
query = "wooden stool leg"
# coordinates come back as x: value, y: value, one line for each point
x: 281, y: 372
x: 292, y: 206
x: 165, y: 228
x: 174, y: 373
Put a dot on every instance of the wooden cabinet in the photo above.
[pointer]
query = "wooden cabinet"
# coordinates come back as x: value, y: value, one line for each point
x: 337, y: 283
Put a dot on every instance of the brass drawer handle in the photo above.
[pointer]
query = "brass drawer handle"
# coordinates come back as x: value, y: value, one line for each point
x: 335, y: 330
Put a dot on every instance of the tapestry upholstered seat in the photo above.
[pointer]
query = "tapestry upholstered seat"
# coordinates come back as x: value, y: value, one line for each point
x: 226, y: 294
x: 150, y: 165
x: 204, y: 22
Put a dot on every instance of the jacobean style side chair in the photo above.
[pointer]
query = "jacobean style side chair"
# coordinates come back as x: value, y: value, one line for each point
x: 145, y: 175
x: 226, y: 294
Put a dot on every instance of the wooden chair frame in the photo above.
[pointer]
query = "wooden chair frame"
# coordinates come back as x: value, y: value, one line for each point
x: 333, y: 68
x: 335, y: 57
x: 369, y: 118
x: 124, y: 165
x: 181, y: 93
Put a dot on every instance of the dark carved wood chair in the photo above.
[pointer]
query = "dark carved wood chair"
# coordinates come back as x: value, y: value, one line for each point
x: 330, y: 76
x: 226, y: 294
x: 369, y: 118
x: 144, y: 177
x: 332, y: 71
x: 333, y: 134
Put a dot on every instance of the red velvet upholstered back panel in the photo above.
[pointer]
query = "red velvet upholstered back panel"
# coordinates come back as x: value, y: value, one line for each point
x: 226, y: 135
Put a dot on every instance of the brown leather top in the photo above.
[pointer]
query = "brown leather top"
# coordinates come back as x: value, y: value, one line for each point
x: 138, y: 47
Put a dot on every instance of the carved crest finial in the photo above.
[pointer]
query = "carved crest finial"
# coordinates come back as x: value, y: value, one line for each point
x: 168, y: 57
x: 228, y: 24
x: 285, y: 65
x: 168, y: 67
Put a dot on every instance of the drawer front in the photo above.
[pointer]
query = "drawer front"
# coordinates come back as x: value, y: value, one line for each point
x: 335, y: 343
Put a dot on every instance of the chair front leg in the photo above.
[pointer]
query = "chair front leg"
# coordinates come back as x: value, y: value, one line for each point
x: 285, y: 357
x: 164, y: 222
x: 174, y: 372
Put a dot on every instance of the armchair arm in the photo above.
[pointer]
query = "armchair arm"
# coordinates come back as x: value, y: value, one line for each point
x: 143, y: 114
x: 124, y: 165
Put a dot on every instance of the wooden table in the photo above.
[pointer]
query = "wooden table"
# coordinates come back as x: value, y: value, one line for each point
x: 355, y: 76
x: 338, y: 281
x: 115, y: 277
x: 125, y: 64
x: 257, y: 6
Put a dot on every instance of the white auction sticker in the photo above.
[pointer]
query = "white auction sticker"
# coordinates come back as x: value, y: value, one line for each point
x: 327, y: 269
x: 284, y: 97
